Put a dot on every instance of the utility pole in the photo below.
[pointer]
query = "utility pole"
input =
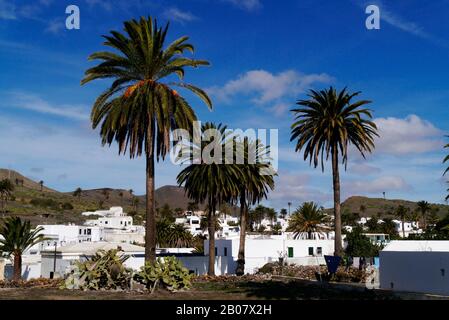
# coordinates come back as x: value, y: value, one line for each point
x: 54, y: 261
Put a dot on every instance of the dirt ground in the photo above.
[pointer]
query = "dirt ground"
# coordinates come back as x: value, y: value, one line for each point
x: 277, y: 290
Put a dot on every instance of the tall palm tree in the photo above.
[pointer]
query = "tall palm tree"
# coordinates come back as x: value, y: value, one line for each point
x: 140, y: 108
x: 401, y: 213
x: 424, y: 207
x: 325, y: 125
x: 446, y: 159
x: 210, y: 182
x: 6, y: 190
x: 308, y: 219
x: 41, y: 184
x: 17, y: 238
x: 256, y: 181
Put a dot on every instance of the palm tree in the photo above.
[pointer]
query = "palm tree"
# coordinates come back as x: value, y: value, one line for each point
x: 172, y: 235
x: 140, y: 108
x: 120, y: 194
x: 17, y: 237
x: 255, y: 183
x: 289, y: 205
x: 77, y: 193
x: 402, y: 213
x: 424, y: 207
x: 41, y: 184
x: 308, y: 219
x: 283, y: 213
x: 210, y: 182
x: 192, y: 206
x: 6, y: 190
x: 326, y: 125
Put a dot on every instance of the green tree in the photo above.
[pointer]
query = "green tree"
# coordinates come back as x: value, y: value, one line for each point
x: 6, y: 190
x: 78, y: 193
x: 424, y: 207
x: 172, y: 235
x: 358, y: 245
x: 389, y: 227
x: 140, y: 108
x: 283, y: 213
x: 308, y: 219
x: 192, y: 206
x: 402, y: 213
x: 17, y: 237
x: 208, y: 181
x: 325, y: 125
x: 166, y: 213
x: 372, y: 225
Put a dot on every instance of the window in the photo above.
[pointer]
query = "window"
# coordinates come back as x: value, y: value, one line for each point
x: 225, y: 252
x: 195, y: 222
x: 85, y: 231
x: 216, y: 251
x: 81, y: 231
x: 105, y: 222
x: 319, y: 251
x: 290, y: 252
x: 89, y: 232
x: 310, y: 251
x: 121, y: 222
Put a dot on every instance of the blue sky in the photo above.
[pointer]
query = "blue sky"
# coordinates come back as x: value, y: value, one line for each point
x: 264, y: 55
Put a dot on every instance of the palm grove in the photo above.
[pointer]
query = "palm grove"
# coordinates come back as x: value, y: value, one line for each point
x: 140, y: 109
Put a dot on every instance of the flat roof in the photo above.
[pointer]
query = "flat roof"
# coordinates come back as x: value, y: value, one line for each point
x: 90, y: 248
x: 418, y: 245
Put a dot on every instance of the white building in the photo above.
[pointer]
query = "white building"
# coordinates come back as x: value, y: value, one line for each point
x: 61, y: 259
x: 192, y: 223
x: 260, y: 250
x: 415, y: 266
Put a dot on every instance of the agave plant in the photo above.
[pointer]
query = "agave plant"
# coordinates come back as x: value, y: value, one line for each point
x: 105, y: 270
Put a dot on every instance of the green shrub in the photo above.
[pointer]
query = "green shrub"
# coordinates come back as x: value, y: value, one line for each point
x: 167, y: 273
x: 105, y: 270
x: 67, y: 206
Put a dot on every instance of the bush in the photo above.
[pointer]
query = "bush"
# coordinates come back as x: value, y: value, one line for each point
x: 67, y: 206
x: 167, y: 273
x: 105, y: 270
x: 45, y: 203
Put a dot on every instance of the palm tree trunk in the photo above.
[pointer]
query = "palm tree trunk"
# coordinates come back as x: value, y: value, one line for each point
x: 337, y: 210
x: 240, y: 271
x: 211, y: 229
x: 17, y: 267
x: 403, y: 229
x: 150, y: 225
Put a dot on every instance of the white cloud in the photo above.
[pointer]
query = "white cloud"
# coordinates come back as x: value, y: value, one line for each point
x: 363, y: 169
x: 178, y: 15
x: 265, y: 87
x: 7, y: 10
x: 379, y: 185
x: 411, y: 135
x: 295, y: 188
x: 35, y: 103
x: 55, y: 26
x: 249, y: 5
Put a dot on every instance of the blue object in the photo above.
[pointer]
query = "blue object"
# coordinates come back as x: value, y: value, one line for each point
x: 332, y: 263
x: 376, y: 262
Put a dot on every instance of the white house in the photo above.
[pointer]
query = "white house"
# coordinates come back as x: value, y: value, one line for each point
x: 192, y: 223
x: 415, y: 266
x: 261, y: 249
x: 112, y: 212
x: 61, y: 259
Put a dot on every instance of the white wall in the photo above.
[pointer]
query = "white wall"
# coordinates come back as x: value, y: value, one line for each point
x: 261, y: 251
x: 417, y: 271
